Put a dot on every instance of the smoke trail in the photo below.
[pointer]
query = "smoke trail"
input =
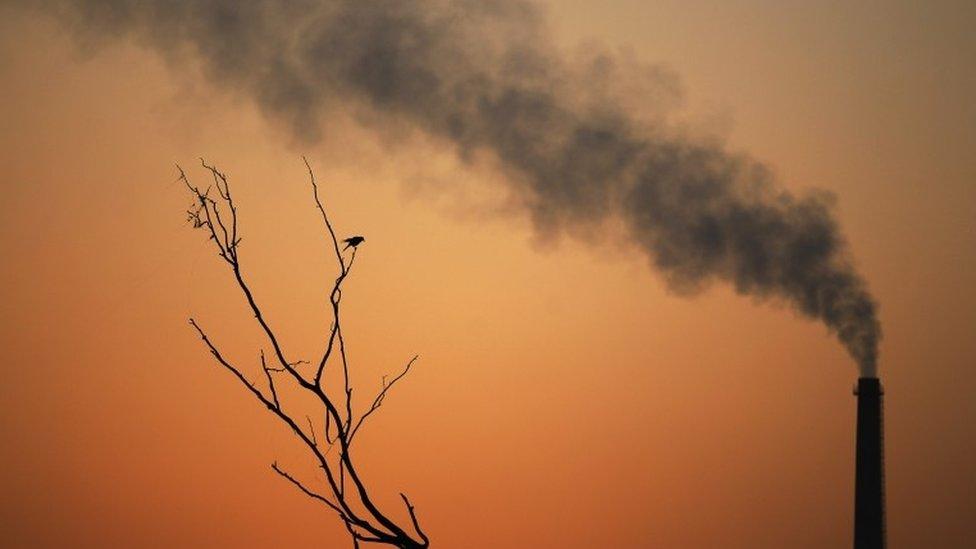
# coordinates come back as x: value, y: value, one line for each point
x: 482, y: 76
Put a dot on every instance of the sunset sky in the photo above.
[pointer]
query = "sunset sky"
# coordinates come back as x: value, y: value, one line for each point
x: 565, y: 395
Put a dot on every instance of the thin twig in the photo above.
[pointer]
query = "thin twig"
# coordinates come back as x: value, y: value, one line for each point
x: 378, y: 401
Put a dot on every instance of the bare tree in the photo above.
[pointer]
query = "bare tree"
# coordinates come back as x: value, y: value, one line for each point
x: 215, y: 212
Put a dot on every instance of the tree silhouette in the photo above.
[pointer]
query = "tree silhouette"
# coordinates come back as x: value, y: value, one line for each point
x: 346, y: 495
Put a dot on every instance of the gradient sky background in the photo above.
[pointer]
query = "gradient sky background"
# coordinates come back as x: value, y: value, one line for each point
x: 563, y: 398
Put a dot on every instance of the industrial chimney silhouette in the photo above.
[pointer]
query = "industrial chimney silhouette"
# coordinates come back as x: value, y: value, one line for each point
x: 869, y: 499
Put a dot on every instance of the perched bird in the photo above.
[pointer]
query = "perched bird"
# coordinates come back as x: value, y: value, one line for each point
x: 353, y: 241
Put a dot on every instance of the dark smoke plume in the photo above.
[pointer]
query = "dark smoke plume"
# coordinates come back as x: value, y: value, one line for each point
x: 483, y: 77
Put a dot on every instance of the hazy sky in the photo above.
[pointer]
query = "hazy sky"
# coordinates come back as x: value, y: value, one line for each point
x: 564, y: 397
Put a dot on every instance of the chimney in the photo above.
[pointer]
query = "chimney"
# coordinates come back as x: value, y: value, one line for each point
x: 869, y: 500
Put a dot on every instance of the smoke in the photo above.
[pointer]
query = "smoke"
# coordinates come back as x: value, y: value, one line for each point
x: 578, y: 141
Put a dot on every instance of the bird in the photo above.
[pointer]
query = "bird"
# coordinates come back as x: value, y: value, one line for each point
x: 353, y: 241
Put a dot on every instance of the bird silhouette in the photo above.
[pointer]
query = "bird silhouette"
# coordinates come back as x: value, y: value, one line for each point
x: 354, y: 241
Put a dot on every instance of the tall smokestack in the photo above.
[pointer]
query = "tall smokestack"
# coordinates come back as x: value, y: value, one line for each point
x: 869, y: 501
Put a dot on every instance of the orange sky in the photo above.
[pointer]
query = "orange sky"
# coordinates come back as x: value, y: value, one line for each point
x: 563, y: 397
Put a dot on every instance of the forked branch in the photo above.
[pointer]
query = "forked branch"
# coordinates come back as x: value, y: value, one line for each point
x: 215, y: 212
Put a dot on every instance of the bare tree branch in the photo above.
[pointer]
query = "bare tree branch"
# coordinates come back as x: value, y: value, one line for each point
x: 271, y: 385
x: 217, y: 216
x: 270, y: 405
x: 378, y: 401
x: 311, y: 430
x: 413, y: 519
x: 309, y: 492
x: 325, y: 216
